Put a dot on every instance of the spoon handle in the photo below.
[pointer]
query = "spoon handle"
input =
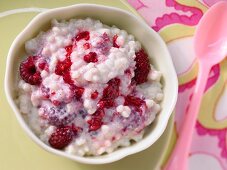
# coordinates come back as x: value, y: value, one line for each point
x: 179, y: 156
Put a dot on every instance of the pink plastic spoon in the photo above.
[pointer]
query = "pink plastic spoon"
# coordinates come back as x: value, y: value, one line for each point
x: 210, y: 45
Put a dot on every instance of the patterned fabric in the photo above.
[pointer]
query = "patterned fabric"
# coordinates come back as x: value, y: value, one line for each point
x: 175, y: 20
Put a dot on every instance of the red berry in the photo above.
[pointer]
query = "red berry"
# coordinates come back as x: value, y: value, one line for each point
x: 28, y: 71
x: 63, y: 67
x: 115, y: 41
x: 91, y: 57
x: 56, y: 102
x: 86, y: 46
x: 42, y: 66
x: 94, y: 124
x: 110, y: 93
x: 96, y: 120
x: 77, y: 91
x: 99, y: 114
x: 83, y: 35
x: 102, y: 103
x: 128, y: 71
x: 142, y: 67
x: 133, y: 101
x: 61, y: 137
x: 112, y: 90
x: 67, y: 78
x: 68, y: 50
x: 94, y: 95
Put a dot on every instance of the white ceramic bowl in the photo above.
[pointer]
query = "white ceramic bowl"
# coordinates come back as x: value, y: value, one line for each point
x: 150, y: 40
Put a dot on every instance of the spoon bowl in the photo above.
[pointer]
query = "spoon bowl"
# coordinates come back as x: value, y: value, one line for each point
x: 211, y: 35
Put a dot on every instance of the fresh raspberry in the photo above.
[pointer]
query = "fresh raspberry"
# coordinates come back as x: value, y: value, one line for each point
x: 56, y: 102
x: 61, y: 137
x: 136, y: 102
x: 42, y: 66
x: 77, y: 91
x: 96, y: 120
x: 99, y: 114
x: 94, y: 124
x: 115, y: 41
x: 94, y: 95
x: 58, y: 116
x: 133, y: 101
x: 112, y: 90
x: 142, y: 67
x: 110, y: 93
x: 67, y: 78
x: 128, y: 71
x: 63, y: 67
x: 86, y: 46
x: 91, y: 57
x: 68, y: 50
x: 28, y: 71
x: 105, y: 103
x: 83, y: 35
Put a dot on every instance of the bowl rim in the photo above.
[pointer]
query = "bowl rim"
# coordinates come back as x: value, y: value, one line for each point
x: 126, y: 151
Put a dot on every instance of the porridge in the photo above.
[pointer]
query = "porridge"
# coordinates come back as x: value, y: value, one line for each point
x: 87, y: 88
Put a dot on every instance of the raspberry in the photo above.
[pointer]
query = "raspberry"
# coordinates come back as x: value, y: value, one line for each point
x: 28, y: 71
x: 42, y: 65
x: 67, y: 78
x: 99, y: 114
x: 112, y: 90
x: 128, y: 71
x: 94, y: 95
x: 94, y: 124
x: 83, y: 35
x: 58, y: 116
x: 133, y: 101
x: 63, y: 67
x: 68, y: 50
x: 115, y: 41
x: 77, y: 91
x: 91, y: 57
x: 56, y: 102
x: 96, y: 121
x: 142, y: 67
x: 105, y: 103
x: 86, y: 46
x: 110, y: 93
x: 61, y: 137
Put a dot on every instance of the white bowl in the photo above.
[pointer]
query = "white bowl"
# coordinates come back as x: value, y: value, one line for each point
x: 150, y: 40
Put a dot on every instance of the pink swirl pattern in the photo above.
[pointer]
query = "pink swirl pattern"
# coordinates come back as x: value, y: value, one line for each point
x: 176, y: 12
x: 208, y: 144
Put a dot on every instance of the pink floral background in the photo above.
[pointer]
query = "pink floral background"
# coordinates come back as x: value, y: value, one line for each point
x: 209, y: 147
